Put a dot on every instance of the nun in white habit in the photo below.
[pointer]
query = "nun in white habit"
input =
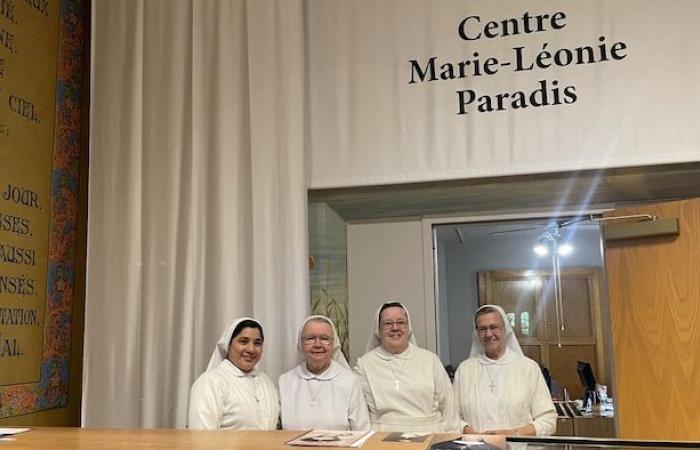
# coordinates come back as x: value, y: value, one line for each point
x: 406, y: 387
x: 321, y: 392
x: 498, y: 389
x: 233, y: 393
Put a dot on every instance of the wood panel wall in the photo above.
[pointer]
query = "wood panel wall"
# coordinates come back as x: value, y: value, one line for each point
x: 654, y: 294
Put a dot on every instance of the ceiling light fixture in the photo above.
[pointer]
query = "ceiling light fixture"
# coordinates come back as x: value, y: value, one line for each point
x: 541, y: 249
x: 565, y: 249
x: 545, y: 244
x: 550, y: 243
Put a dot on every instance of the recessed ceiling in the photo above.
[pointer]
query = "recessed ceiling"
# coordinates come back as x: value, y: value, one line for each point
x: 570, y: 190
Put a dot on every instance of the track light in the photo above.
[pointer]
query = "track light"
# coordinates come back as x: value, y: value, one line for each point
x: 541, y: 249
x: 549, y: 243
x: 544, y: 244
x: 565, y: 249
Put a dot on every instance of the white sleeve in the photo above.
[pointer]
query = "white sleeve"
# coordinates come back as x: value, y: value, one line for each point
x: 544, y: 415
x: 358, y: 415
x: 366, y: 389
x: 457, y: 390
x: 205, y: 411
x: 283, y: 387
x: 274, y: 401
x: 446, y: 399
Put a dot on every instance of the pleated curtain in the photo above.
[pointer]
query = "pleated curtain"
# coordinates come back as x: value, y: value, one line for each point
x: 197, y: 202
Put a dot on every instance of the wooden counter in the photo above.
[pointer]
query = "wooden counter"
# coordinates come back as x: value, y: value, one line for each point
x: 92, y: 438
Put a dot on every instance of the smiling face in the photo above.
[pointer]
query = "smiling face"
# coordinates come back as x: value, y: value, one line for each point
x: 317, y: 345
x: 393, y: 329
x: 245, y: 349
x: 491, y: 332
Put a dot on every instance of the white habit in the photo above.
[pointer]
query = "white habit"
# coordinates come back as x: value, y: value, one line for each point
x: 331, y: 400
x: 503, y: 394
x: 407, y: 392
x: 226, y: 397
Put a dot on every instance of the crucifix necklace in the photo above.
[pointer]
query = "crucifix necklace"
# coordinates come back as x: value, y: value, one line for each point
x: 397, y: 374
x: 492, y: 385
x: 311, y: 393
x: 253, y: 381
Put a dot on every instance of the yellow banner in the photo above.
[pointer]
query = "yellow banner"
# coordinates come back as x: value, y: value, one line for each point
x: 28, y: 57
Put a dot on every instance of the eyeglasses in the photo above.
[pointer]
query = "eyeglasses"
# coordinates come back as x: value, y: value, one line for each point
x: 310, y: 340
x: 491, y: 328
x: 389, y: 324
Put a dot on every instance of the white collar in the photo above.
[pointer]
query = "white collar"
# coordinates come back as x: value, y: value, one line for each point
x: 508, y: 357
x: 386, y: 355
x: 331, y: 372
x: 231, y: 368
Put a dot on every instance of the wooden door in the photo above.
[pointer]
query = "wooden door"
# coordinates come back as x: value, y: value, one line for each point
x: 654, y: 295
x: 582, y: 336
x: 519, y: 293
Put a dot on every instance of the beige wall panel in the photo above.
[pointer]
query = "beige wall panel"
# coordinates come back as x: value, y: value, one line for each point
x: 385, y: 263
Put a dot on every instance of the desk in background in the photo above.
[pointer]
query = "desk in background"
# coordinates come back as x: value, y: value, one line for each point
x: 572, y: 422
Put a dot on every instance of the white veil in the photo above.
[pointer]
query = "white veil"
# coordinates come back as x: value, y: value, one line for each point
x: 477, y: 349
x: 221, y: 349
x: 337, y: 353
x: 373, y: 340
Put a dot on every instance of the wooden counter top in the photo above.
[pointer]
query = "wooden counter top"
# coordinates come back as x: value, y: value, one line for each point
x: 91, y: 438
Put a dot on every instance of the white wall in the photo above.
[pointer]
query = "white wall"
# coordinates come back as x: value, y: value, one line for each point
x: 385, y: 263
x: 443, y: 312
x: 463, y: 261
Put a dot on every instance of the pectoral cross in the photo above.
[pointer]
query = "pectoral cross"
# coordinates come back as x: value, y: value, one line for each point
x: 396, y: 383
x: 492, y: 386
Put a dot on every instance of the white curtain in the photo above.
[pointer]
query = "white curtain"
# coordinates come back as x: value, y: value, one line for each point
x: 197, y: 209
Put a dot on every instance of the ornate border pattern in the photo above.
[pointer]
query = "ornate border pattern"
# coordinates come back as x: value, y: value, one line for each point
x: 52, y: 389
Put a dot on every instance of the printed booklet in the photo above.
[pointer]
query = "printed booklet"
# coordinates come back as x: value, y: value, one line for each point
x: 331, y: 438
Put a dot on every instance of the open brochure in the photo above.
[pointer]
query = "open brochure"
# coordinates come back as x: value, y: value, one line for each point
x: 331, y: 438
x: 6, y: 434
x: 12, y: 430
x: 473, y: 442
x: 406, y: 437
